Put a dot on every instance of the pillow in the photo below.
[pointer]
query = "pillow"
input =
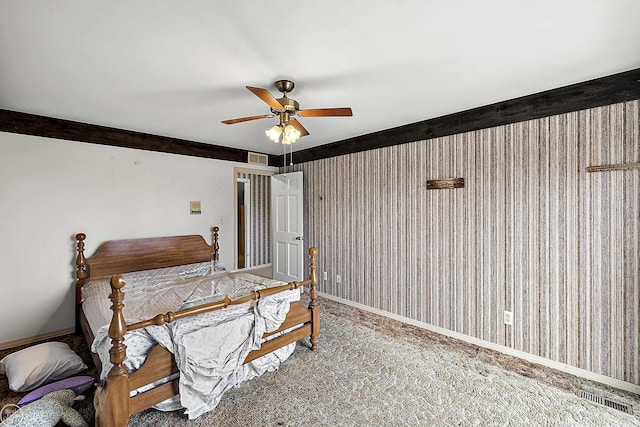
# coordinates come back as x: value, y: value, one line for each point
x: 30, y: 368
x: 78, y: 384
x: 189, y: 270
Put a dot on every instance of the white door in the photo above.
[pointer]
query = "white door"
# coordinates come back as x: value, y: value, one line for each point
x: 286, y: 214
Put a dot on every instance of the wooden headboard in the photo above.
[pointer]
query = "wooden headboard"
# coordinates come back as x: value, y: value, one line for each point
x: 124, y: 256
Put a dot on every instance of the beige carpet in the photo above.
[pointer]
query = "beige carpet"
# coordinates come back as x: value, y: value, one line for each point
x: 372, y: 371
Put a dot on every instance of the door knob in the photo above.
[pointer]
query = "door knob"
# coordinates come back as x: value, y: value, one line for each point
x: 299, y: 238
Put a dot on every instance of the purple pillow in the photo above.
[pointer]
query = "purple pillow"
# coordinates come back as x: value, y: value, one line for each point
x: 78, y: 384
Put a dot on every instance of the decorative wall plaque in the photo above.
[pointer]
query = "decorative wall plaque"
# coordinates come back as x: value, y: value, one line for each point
x: 620, y: 167
x: 438, y: 184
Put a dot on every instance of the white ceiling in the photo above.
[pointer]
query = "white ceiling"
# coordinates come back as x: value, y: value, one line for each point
x: 177, y: 68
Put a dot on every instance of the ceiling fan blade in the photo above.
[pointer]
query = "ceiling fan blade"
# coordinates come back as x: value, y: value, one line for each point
x: 326, y: 112
x: 296, y: 124
x: 266, y: 96
x: 246, y: 119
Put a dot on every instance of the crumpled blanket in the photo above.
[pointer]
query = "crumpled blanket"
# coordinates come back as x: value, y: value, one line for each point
x: 207, y: 371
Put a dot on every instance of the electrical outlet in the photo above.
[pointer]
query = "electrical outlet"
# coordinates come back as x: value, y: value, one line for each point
x: 508, y: 317
x: 338, y: 279
x: 324, y: 275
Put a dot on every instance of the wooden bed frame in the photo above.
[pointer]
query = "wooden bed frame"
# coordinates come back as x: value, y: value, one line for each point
x: 112, y: 403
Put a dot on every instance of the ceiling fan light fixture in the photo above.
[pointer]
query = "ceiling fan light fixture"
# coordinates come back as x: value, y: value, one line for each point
x: 290, y: 135
x: 274, y: 133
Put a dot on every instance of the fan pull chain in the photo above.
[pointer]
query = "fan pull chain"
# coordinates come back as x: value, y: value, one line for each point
x: 284, y: 164
x: 290, y: 154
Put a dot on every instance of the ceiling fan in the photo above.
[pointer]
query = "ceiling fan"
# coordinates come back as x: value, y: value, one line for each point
x: 288, y: 130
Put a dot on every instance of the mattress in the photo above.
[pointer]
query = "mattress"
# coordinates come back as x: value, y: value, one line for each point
x: 151, y: 292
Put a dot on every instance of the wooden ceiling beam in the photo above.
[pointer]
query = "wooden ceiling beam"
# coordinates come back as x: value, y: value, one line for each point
x: 593, y: 93
x: 49, y: 127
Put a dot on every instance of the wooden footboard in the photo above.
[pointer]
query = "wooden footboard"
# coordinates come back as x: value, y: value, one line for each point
x: 112, y: 403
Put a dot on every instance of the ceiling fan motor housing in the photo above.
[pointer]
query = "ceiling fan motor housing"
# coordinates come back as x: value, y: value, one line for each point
x: 288, y: 104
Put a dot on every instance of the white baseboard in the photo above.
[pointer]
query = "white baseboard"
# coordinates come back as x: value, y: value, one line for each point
x: 583, y: 373
x: 37, y: 338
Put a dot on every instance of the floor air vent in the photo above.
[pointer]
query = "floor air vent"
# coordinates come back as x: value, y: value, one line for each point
x: 606, y: 402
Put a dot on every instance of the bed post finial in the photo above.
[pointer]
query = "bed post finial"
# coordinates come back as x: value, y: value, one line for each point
x: 112, y: 399
x: 314, y: 306
x: 215, y: 247
x: 81, y: 261
x: 82, y: 274
x: 117, y: 328
x: 313, y: 253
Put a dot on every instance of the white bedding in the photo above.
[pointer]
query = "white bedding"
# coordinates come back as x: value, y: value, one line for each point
x: 207, y: 371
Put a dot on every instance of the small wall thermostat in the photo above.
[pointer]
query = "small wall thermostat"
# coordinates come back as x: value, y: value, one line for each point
x: 194, y: 206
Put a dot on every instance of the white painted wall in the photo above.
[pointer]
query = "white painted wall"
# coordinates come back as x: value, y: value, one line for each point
x: 52, y: 189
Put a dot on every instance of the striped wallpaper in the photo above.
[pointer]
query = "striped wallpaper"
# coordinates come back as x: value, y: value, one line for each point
x: 260, y: 248
x: 531, y: 232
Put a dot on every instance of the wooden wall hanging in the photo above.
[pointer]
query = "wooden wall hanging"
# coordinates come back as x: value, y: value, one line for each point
x: 618, y: 167
x: 439, y: 184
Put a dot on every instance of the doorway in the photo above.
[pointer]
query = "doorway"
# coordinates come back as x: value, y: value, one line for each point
x: 252, y: 218
x: 243, y: 229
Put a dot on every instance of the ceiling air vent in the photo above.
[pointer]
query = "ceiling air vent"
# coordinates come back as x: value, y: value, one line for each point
x: 258, y: 159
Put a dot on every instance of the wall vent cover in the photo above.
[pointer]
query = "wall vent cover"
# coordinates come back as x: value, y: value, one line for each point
x: 606, y: 402
x: 258, y: 159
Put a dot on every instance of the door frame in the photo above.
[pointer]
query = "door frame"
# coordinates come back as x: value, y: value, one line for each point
x: 236, y: 172
x: 247, y: 222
